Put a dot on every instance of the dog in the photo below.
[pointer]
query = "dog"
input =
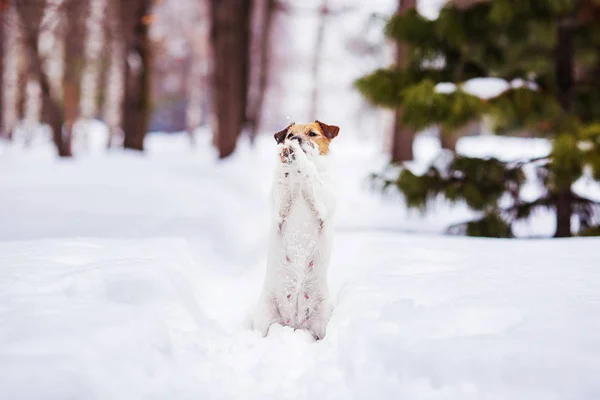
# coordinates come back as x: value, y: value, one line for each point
x: 295, y: 291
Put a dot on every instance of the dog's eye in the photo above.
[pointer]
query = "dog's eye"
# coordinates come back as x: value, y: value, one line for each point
x: 290, y: 135
x: 312, y: 134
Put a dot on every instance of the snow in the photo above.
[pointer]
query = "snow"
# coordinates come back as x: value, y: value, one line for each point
x: 127, y: 277
x: 430, y: 8
x: 484, y: 88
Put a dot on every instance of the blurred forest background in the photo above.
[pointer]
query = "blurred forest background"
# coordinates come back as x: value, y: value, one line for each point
x: 168, y: 65
x: 239, y: 68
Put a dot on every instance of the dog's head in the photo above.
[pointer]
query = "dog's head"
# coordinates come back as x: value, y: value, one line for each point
x: 315, y: 135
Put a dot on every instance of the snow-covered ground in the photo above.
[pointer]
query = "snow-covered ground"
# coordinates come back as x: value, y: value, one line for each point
x: 126, y: 277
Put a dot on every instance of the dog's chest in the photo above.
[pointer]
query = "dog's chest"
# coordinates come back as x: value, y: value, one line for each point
x: 299, y: 283
x: 301, y: 231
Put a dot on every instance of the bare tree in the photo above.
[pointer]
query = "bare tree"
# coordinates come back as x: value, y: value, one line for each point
x: 316, y: 61
x: 90, y: 76
x: 51, y: 41
x: 74, y: 54
x: 262, y: 24
x: 30, y: 15
x: 32, y: 107
x: 3, y: 9
x: 69, y: 23
x: 135, y: 20
x: 402, y: 136
x: 197, y: 35
x: 10, y: 74
x: 114, y: 76
x: 197, y: 83
x: 230, y: 34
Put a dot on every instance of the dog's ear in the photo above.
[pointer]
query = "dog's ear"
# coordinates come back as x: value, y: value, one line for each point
x: 330, y: 131
x: 280, y: 136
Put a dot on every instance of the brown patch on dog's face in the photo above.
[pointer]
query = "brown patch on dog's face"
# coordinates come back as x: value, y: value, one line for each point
x: 316, y: 134
x: 280, y: 136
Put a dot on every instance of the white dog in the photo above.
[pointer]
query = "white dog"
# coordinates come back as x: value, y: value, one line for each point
x: 295, y: 291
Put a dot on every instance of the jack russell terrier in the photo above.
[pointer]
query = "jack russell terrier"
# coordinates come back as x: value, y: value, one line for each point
x: 295, y: 292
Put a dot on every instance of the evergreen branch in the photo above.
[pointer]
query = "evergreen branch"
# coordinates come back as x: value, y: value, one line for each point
x: 523, y: 210
x: 489, y: 225
x: 523, y: 162
x: 577, y: 199
x: 587, y: 210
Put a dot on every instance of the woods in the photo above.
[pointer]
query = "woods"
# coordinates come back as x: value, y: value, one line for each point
x: 69, y: 62
x: 47, y: 29
x: 94, y: 59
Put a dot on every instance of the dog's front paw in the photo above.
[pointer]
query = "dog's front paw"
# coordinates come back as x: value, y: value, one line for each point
x: 298, y: 152
x: 286, y: 155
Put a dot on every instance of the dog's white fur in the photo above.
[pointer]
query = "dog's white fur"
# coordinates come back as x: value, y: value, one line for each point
x: 295, y: 291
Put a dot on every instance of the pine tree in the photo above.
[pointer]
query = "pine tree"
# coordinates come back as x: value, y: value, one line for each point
x: 552, y: 49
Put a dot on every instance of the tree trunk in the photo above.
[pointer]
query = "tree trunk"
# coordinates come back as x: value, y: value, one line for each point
x: 403, y: 137
x: 3, y: 8
x: 93, y: 50
x: 316, y: 62
x: 9, y: 91
x: 136, y: 101
x: 563, y: 213
x: 467, y: 3
x: 52, y: 111
x: 114, y: 75
x: 448, y: 140
x: 230, y: 41
x: 197, y: 79
x: 262, y: 65
x: 51, y: 107
x: 564, y: 70
x: 402, y: 140
x: 74, y: 46
x: 32, y: 113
